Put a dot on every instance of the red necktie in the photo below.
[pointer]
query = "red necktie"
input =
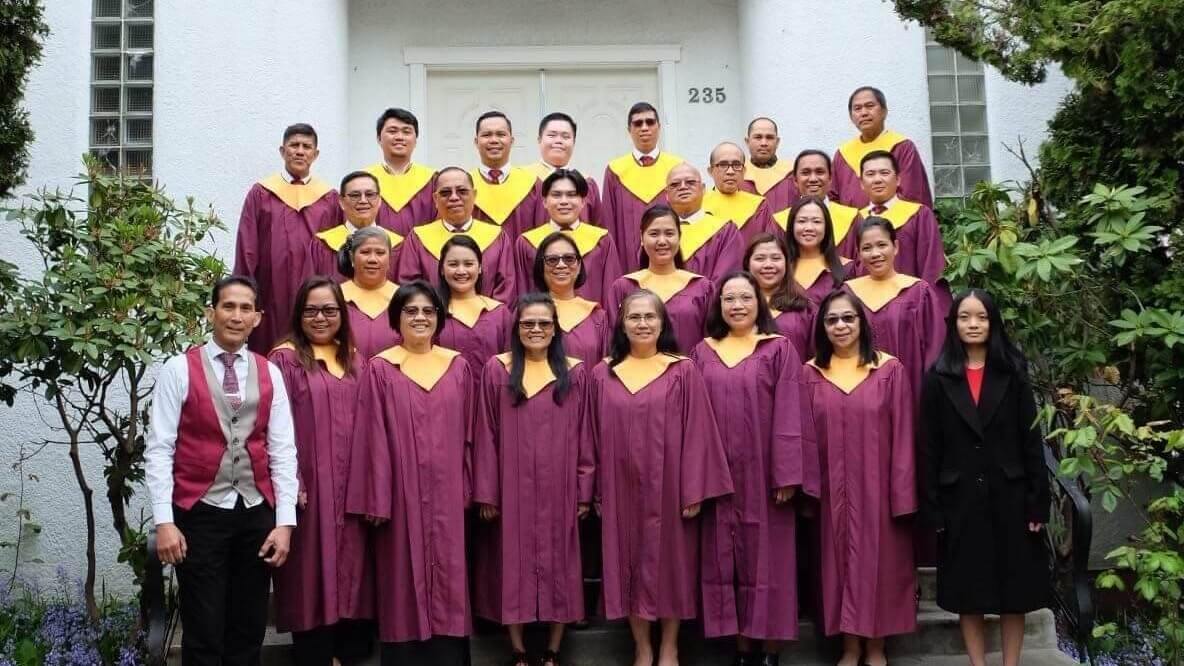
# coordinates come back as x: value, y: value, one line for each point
x: 230, y: 381
x: 879, y: 209
x: 495, y: 176
x: 646, y: 160
x: 297, y: 181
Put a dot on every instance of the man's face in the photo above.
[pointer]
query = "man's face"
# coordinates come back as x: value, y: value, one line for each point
x: 397, y: 139
x: 867, y: 113
x: 879, y: 179
x: 298, y: 153
x: 762, y: 141
x: 494, y: 141
x: 454, y: 197
x: 727, y: 168
x: 644, y: 130
x: 557, y: 142
x: 812, y: 176
x: 233, y: 317
x: 359, y: 201
x: 684, y: 189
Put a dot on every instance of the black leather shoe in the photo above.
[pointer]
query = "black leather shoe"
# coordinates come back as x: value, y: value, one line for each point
x: 770, y: 659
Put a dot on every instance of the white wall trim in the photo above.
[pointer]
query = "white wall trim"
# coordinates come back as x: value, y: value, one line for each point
x: 534, y: 56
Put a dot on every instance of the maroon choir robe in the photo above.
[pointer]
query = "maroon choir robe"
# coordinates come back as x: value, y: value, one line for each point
x: 750, y: 541
x: 862, y: 421
x: 586, y: 331
x: 277, y: 223
x: 369, y: 322
x: 918, y: 239
x: 406, y: 198
x: 815, y: 278
x: 687, y: 297
x: 329, y: 562
x: 591, y: 210
x: 711, y: 246
x: 478, y: 328
x: 629, y: 189
x: 323, y: 249
x: 420, y: 257
x: 841, y: 219
x: 411, y: 465
x: 774, y: 183
x: 602, y: 265
x: 798, y: 327
x: 658, y: 451
x: 513, y: 204
x: 750, y: 213
x: 535, y: 462
x: 845, y: 186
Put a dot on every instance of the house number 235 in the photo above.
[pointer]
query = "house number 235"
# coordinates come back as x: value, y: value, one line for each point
x: 707, y: 95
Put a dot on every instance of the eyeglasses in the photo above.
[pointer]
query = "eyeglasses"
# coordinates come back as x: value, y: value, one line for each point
x: 447, y: 192
x: 412, y: 311
x: 532, y: 324
x: 647, y: 318
x: 729, y: 166
x: 329, y: 311
x: 833, y: 320
x: 679, y: 184
x: 643, y: 122
x: 368, y: 195
x: 553, y: 260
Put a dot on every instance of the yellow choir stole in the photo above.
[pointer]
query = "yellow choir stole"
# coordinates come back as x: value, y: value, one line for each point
x: 424, y: 369
x: 499, y: 201
x: 694, y: 235
x: 585, y: 236
x: 644, y: 182
x: 846, y: 374
x: 734, y: 348
x: 766, y: 178
x: 899, y: 214
x: 854, y: 150
x: 336, y: 236
x: 296, y: 197
x: 434, y: 234
x: 638, y: 373
x: 738, y: 207
x: 398, y: 189
x: 875, y: 294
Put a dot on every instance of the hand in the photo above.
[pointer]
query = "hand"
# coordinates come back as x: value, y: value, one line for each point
x: 488, y: 511
x: 302, y: 499
x: 692, y: 510
x: 1035, y: 527
x: 582, y: 510
x: 170, y: 544
x: 374, y: 520
x: 783, y: 495
x: 276, y: 544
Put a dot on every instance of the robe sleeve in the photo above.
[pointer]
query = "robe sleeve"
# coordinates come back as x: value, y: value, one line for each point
x: 469, y: 413
x: 611, y: 270
x: 523, y: 268
x: 486, y: 438
x: 585, y: 448
x: 902, y: 484
x: 592, y: 203
x: 610, y: 210
x: 593, y: 425
x: 765, y: 224
x: 811, y: 453
x: 930, y: 440
x: 933, y: 324
x: 371, y: 469
x: 930, y: 254
x: 787, y: 456
x: 246, y: 246
x: 503, y: 270
x: 1036, y: 499
x: 704, y: 465
x: 612, y: 301
x: 914, y: 184
x: 292, y: 372
x: 409, y: 267
x: 731, y: 254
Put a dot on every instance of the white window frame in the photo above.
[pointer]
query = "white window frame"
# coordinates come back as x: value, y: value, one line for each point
x: 124, y: 84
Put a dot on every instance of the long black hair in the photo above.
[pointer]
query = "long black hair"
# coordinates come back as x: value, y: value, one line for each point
x: 556, y: 357
x: 345, y: 256
x: 651, y: 214
x: 457, y: 240
x: 539, y: 271
x: 299, y: 339
x: 823, y: 347
x: 830, y: 253
x: 405, y: 292
x: 787, y: 296
x: 1002, y: 353
x: 718, y: 328
x: 619, y: 348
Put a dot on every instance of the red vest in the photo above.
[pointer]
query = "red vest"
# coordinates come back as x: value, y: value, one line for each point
x: 200, y: 442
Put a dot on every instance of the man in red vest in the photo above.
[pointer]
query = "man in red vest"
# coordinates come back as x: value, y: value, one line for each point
x: 220, y: 463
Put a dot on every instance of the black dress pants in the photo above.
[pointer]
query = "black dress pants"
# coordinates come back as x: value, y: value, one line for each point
x: 224, y: 584
x: 435, y: 651
x: 349, y: 641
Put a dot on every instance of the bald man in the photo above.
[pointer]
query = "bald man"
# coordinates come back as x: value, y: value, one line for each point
x: 747, y: 211
x: 710, y: 246
x: 764, y: 173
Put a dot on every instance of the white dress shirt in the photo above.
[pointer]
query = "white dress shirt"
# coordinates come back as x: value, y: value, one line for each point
x: 288, y: 177
x: 172, y: 386
x: 557, y: 227
x: 505, y: 169
x: 693, y: 217
x: 454, y: 229
x: 637, y: 154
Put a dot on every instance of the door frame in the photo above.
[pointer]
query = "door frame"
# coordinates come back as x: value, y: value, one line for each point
x: 422, y: 59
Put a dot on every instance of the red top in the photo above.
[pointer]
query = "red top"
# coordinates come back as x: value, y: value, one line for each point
x: 974, y: 377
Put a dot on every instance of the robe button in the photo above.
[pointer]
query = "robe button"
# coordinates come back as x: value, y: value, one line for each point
x: 236, y: 459
x: 234, y: 419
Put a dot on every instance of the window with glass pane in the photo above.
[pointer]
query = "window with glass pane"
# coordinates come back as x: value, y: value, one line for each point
x: 122, y: 58
x: 958, y: 120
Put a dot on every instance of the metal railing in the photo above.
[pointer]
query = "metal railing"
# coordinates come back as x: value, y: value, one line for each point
x: 1069, y: 534
x: 158, y: 606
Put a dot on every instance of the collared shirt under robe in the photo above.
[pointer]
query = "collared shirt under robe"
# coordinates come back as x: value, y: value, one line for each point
x: 687, y: 307
x: 598, y: 252
x: 420, y: 256
x: 515, y: 204
x: 658, y: 451
x: 845, y: 186
x: 629, y: 189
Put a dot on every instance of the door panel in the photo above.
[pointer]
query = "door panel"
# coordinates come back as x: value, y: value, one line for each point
x: 455, y: 99
x: 599, y: 99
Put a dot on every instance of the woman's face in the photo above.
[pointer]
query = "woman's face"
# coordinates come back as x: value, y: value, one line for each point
x: 643, y: 324
x: 321, y: 318
x: 877, y: 252
x: 809, y: 227
x: 738, y: 304
x: 536, y: 327
x: 660, y: 240
x: 767, y: 264
x: 461, y: 269
x: 561, y: 265
x: 974, y: 325
x: 841, y: 321
x: 372, y: 261
x: 417, y: 320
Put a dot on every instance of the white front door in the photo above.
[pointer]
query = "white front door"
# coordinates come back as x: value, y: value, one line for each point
x: 597, y: 98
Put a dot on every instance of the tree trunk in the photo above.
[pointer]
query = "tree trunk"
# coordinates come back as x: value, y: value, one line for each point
x: 92, y: 607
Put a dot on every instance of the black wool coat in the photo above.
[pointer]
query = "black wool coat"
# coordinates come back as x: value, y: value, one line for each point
x: 985, y: 480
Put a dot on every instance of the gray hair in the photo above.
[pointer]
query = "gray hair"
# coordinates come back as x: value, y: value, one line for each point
x: 345, y: 256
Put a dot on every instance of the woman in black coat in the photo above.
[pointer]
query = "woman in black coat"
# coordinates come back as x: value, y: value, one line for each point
x: 986, y: 491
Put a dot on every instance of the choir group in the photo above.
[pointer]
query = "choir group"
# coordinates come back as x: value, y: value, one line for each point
x: 434, y: 394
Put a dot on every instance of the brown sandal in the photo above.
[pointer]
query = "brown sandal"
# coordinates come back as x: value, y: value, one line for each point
x: 549, y: 658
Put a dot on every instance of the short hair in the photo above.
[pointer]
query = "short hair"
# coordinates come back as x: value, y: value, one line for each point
x: 652, y: 214
x: 230, y: 280
x: 409, y: 290
x: 354, y: 175
x: 640, y: 107
x: 299, y: 340
x: 457, y: 240
x: 721, y: 144
x: 812, y: 152
x: 880, y: 155
x: 300, y: 129
x: 493, y: 114
x: 556, y: 115
x: 402, y: 115
x: 824, y: 349
x: 556, y: 356
x: 345, y: 255
x: 619, y: 346
x: 759, y: 118
x: 718, y: 328
x: 539, y: 270
x: 447, y: 169
x: 876, y: 92
x: 874, y: 222
x: 574, y: 176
